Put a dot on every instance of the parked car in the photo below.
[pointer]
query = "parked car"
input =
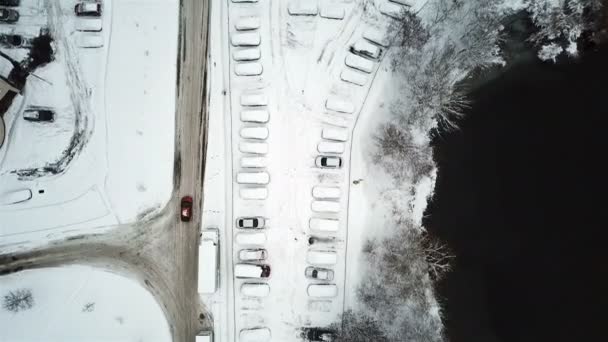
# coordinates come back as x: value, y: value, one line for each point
x: 255, y: 222
x: 186, y: 208
x: 8, y: 15
x: 15, y: 41
x: 318, y: 334
x: 319, y: 273
x: 253, y: 254
x: 88, y: 9
x: 251, y: 271
x: 327, y: 162
x: 39, y: 114
x: 11, y: 3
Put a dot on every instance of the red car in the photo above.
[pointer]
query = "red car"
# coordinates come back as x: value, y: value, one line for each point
x: 186, y: 208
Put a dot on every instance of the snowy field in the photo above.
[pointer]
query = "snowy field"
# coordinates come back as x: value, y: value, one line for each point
x: 115, y: 118
x: 79, y: 303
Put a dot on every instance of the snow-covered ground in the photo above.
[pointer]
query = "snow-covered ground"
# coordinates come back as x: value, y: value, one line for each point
x: 79, y: 303
x: 113, y: 137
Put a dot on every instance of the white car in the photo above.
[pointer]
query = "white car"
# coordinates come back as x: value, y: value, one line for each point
x: 328, y: 162
x: 255, y: 222
x: 319, y: 273
x: 253, y: 254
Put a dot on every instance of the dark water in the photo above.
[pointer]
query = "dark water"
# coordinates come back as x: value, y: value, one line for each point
x: 521, y: 201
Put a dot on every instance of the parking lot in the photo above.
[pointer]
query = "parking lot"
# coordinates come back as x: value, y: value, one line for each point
x: 292, y: 102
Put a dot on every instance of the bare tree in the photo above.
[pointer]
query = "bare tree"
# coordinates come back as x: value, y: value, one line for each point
x: 358, y: 327
x: 18, y: 300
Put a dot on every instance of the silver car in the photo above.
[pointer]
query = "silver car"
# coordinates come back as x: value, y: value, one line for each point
x: 319, y: 273
x: 328, y: 162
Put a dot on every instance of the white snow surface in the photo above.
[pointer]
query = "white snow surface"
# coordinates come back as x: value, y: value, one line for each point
x: 81, y: 303
x: 119, y: 99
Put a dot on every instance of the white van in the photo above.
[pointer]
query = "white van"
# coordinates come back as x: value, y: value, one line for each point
x: 324, y: 225
x: 88, y: 24
x: 254, y: 335
x: 251, y: 271
x: 259, y: 290
x: 89, y: 40
x: 322, y: 290
x: 208, y: 261
x: 322, y: 257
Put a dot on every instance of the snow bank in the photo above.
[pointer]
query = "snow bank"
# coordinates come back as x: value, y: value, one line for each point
x: 78, y: 303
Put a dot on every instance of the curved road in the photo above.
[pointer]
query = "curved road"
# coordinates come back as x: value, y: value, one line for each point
x: 160, y: 252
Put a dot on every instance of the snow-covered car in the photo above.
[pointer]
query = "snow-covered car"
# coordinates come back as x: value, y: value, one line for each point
x: 322, y: 290
x: 255, y: 335
x: 251, y: 271
x: 253, y: 254
x: 88, y: 9
x: 8, y: 15
x: 39, y: 114
x: 186, y: 208
x: 89, y: 40
x: 255, y: 222
x: 328, y: 162
x: 319, y: 273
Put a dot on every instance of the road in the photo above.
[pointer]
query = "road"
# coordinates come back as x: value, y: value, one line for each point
x: 161, y: 252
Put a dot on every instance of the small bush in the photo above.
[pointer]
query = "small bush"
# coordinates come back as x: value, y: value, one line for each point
x: 18, y: 300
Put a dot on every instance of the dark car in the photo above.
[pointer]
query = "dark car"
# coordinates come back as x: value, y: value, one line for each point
x: 88, y: 9
x: 186, y: 208
x: 39, y: 114
x: 8, y: 15
x: 13, y: 41
x: 12, y: 3
x: 318, y: 334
